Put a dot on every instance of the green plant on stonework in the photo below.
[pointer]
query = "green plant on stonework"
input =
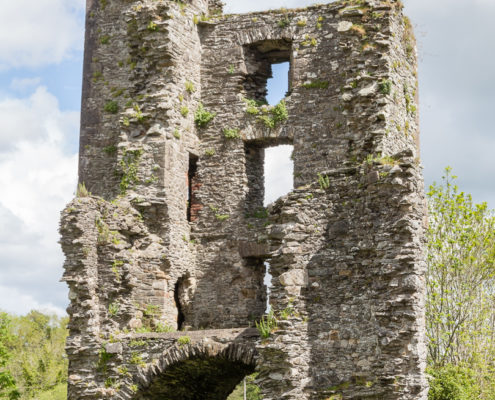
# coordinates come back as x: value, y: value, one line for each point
x: 105, y: 39
x: 183, y: 340
x: 385, y: 86
x: 111, y: 107
x: 116, y: 265
x: 323, y: 181
x: 307, y: 41
x: 284, y: 22
x: 231, y: 133
x: 287, y: 311
x: 163, y: 328
x: 129, y: 169
x: 253, y: 106
x: 231, y: 69
x: 409, y: 39
x: 202, y: 116
x: 266, y: 325
x: 152, y: 26
x: 110, y: 149
x: 151, y: 310
x: 136, y: 359
x: 184, y: 110
x: 103, y: 231
x: 138, y: 114
x: 113, y: 309
x: 176, y: 134
x: 270, y: 116
x: 210, y: 152
x: 82, y: 191
x: 302, y: 23
x: 190, y: 87
x: 316, y: 84
x: 222, y: 217
x: 134, y: 388
x: 383, y: 160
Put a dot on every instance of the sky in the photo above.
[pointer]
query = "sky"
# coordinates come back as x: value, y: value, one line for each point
x: 41, y: 44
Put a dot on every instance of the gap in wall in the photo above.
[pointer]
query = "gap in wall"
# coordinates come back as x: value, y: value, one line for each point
x: 279, y: 180
x: 278, y: 85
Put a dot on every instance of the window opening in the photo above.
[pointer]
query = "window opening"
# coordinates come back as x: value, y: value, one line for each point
x: 279, y: 180
x: 278, y: 85
x: 191, y: 175
x: 180, y: 313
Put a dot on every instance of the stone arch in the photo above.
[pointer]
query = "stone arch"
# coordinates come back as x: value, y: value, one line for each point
x: 206, y: 370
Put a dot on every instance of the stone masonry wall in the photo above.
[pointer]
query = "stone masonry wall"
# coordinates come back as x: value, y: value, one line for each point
x: 173, y: 235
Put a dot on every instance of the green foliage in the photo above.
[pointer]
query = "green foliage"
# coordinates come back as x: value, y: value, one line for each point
x: 129, y: 168
x: 152, y: 26
x: 105, y: 39
x: 460, y: 310
x: 323, y: 181
x: 266, y: 325
x: 38, y: 364
x: 253, y: 391
x: 111, y: 107
x: 222, y: 217
x: 231, y: 69
x: 190, y: 87
x: 268, y: 115
x: 231, y: 133
x: 110, y: 149
x: 113, y: 309
x: 184, y: 110
x: 385, y: 86
x: 8, y: 388
x: 136, y: 359
x: 453, y: 382
x: 210, y: 152
x: 183, y: 340
x: 202, y: 116
x: 284, y: 22
x: 82, y: 191
x: 316, y: 84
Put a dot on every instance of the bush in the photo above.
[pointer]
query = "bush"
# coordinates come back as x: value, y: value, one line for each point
x: 453, y: 382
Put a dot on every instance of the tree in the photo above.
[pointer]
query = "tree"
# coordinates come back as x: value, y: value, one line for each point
x: 8, y: 387
x: 460, y: 306
x: 40, y: 364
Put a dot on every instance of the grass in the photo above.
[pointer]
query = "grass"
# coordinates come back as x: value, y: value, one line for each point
x: 267, y: 325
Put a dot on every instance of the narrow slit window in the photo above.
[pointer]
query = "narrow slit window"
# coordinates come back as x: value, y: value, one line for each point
x: 278, y: 85
x: 191, y: 181
x: 279, y: 180
x: 180, y: 314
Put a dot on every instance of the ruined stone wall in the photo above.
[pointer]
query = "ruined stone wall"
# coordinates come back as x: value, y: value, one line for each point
x: 174, y: 234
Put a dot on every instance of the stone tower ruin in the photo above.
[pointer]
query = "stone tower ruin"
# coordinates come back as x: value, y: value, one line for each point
x: 165, y: 257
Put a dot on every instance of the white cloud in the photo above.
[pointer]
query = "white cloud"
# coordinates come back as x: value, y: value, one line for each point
x: 39, y: 32
x: 21, y: 84
x: 17, y: 302
x: 279, y: 170
x: 37, y: 177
